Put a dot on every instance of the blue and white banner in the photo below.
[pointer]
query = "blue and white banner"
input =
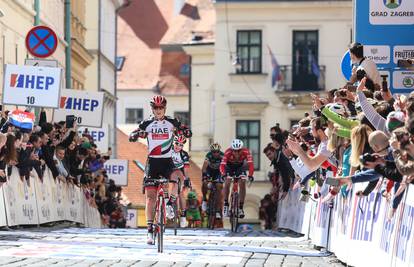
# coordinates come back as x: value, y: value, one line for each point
x: 86, y: 106
x: 31, y: 86
x: 100, y: 136
x: 386, y: 29
x: 117, y: 170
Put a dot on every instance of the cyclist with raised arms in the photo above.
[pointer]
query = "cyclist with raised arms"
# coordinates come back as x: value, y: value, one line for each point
x: 158, y: 129
x: 181, y: 161
x: 233, y: 165
x: 211, y: 172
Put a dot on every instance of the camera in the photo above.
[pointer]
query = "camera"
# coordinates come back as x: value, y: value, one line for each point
x: 360, y: 74
x: 367, y: 157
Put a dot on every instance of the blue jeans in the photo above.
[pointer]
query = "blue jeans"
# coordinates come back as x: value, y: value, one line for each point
x: 365, y: 176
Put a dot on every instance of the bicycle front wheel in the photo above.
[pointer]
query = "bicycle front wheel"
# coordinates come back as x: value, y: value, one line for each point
x: 234, y: 218
x: 161, y: 225
x: 211, y: 209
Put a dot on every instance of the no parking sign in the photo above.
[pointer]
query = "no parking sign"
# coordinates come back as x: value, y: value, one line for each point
x: 41, y: 41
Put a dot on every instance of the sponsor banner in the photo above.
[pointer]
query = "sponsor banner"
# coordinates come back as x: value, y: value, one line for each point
x: 100, y: 136
x: 384, y: 26
x: 31, y: 86
x: 132, y: 217
x: 403, y: 52
x: 117, y: 170
x: 292, y: 213
x: 73, y: 204
x: 3, y: 220
x: 86, y: 106
x: 391, y: 12
x: 44, y: 197
x: 20, y: 200
x: 380, y: 54
x: 403, y: 80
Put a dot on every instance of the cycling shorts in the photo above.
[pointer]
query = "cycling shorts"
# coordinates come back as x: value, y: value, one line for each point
x: 214, y: 175
x: 235, y: 170
x: 157, y: 168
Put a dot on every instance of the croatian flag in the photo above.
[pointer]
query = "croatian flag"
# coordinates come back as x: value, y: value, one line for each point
x: 276, y: 75
x: 22, y: 119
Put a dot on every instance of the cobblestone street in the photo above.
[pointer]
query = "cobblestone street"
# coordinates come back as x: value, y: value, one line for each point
x: 126, y: 247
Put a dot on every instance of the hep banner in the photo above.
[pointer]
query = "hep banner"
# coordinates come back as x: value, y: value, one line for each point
x: 31, y: 86
x: 86, y: 106
x: 100, y: 136
x: 117, y: 170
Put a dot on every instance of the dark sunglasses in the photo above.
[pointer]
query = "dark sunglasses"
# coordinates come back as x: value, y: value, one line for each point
x: 178, y: 144
x: 158, y: 108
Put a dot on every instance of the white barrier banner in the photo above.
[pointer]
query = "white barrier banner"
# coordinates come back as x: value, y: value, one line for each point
x: 73, y: 204
x: 59, y: 198
x: 86, y: 106
x: 132, y: 218
x: 3, y: 220
x: 292, y: 213
x: 100, y: 136
x: 31, y: 86
x: 117, y: 170
x: 44, y: 197
x: 21, y: 207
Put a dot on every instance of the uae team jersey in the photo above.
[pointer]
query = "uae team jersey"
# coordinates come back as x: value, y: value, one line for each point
x: 160, y: 135
x: 180, y: 159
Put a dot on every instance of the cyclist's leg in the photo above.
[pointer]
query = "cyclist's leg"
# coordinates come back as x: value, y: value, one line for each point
x: 242, y: 189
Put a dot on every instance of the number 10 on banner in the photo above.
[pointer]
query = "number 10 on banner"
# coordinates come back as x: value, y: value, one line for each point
x: 31, y: 86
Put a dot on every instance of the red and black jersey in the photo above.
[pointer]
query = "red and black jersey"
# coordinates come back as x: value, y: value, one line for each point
x: 229, y: 158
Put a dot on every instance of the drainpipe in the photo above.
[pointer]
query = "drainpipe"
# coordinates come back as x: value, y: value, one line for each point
x: 68, y: 52
x: 37, y: 10
x: 124, y: 5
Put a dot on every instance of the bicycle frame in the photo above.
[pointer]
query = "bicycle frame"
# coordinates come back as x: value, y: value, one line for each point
x: 234, y: 208
x: 159, y: 224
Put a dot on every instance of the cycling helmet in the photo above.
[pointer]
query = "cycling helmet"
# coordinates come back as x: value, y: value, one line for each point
x: 192, y: 195
x: 180, y: 139
x: 338, y: 109
x: 158, y: 101
x: 215, y: 147
x: 236, y: 144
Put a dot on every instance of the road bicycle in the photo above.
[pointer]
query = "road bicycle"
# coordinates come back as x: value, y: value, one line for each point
x: 160, y: 218
x: 234, y: 204
x: 211, y: 204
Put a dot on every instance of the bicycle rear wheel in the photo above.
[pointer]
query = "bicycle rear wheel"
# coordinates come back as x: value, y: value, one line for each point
x: 161, y: 219
x: 234, y: 218
x: 211, y: 209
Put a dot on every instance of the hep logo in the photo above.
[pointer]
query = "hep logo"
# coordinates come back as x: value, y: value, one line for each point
x: 78, y: 103
x: 31, y: 81
x: 391, y: 4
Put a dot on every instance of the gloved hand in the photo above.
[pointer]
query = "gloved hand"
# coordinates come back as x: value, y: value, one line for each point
x: 251, y: 179
x: 133, y: 137
x: 187, y: 182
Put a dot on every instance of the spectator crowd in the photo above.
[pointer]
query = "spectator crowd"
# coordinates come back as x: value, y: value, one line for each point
x: 357, y: 133
x: 72, y: 158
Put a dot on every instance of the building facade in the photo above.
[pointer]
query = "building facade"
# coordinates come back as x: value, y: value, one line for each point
x: 100, y: 42
x: 17, y: 18
x: 232, y: 77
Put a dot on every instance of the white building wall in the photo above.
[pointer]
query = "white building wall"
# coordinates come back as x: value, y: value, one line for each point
x: 333, y: 20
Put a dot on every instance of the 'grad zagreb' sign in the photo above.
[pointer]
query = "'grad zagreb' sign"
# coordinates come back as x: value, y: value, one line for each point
x: 86, y: 106
x: 117, y: 170
x: 31, y: 86
x: 386, y: 29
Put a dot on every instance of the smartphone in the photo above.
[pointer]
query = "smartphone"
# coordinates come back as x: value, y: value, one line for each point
x: 405, y: 63
x: 384, y: 83
x: 70, y: 119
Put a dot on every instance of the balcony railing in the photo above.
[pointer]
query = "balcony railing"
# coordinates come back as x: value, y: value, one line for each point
x: 302, y: 79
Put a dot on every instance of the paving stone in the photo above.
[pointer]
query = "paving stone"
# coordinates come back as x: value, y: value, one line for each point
x: 62, y: 262
x: 197, y: 264
x: 274, y: 261
x: 124, y: 263
x: 181, y: 264
x: 255, y: 262
x: 260, y: 256
x: 143, y: 264
x: 7, y: 260
x: 25, y: 262
x: 106, y: 263
x: 163, y: 264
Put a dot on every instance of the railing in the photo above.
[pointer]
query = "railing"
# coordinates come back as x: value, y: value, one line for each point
x: 302, y: 79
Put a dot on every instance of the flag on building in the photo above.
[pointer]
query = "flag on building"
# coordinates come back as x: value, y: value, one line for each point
x: 314, y: 65
x: 276, y: 74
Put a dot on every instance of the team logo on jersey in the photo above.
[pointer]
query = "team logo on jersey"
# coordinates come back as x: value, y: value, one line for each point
x: 160, y: 133
x: 162, y: 149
